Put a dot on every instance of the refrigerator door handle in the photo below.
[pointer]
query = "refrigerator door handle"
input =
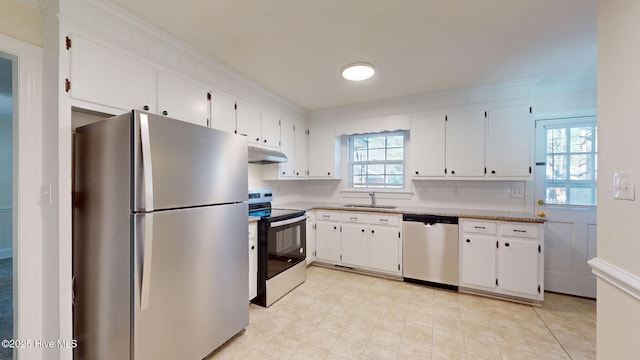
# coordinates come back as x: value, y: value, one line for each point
x: 147, y: 241
x: 147, y: 169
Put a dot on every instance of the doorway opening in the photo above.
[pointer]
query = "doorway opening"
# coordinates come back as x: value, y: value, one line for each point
x: 7, y: 76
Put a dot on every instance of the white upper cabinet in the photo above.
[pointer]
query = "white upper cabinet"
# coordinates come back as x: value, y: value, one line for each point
x: 108, y: 77
x: 270, y: 130
x: 465, y: 143
x: 427, y: 146
x: 323, y: 152
x: 182, y: 98
x: 248, y: 121
x: 509, y: 141
x: 287, y: 146
x: 223, y: 112
x: 301, y: 158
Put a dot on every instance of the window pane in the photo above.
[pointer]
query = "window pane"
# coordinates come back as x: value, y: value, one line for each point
x: 395, y: 154
x: 556, y: 195
x: 376, y: 154
x: 359, y: 142
x: 556, y: 167
x: 360, y: 155
x: 394, y: 169
x: 580, y: 167
x: 581, y: 139
x: 395, y: 141
x: 376, y: 143
x: 581, y: 196
x: 556, y: 140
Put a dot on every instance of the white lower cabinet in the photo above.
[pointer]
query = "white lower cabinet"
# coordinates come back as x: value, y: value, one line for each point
x: 328, y: 237
x: 253, y: 260
x: 502, y: 258
x: 360, y: 240
x: 311, y: 236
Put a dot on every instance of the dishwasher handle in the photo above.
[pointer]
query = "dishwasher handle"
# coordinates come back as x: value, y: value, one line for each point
x: 430, y: 219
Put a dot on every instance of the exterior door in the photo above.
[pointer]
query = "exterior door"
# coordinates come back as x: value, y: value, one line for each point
x: 565, y: 193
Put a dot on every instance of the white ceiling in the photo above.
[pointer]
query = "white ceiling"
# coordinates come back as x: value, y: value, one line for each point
x: 297, y: 48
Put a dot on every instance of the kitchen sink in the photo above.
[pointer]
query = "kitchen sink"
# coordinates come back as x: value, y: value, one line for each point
x: 370, y: 206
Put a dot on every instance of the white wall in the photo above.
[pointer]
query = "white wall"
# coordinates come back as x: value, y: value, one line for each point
x: 548, y: 100
x: 618, y: 326
x: 20, y: 22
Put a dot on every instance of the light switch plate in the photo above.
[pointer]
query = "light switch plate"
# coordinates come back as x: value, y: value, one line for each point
x: 624, y: 185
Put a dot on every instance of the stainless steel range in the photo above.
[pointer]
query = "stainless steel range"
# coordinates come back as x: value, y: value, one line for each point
x: 281, y: 248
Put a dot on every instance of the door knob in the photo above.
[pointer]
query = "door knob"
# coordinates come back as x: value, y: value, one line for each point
x: 540, y: 202
x: 541, y: 214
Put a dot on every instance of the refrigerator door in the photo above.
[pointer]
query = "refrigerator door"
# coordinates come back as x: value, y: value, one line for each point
x: 178, y: 164
x: 198, y: 281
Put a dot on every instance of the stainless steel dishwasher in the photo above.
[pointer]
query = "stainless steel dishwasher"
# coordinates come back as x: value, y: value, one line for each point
x: 430, y: 250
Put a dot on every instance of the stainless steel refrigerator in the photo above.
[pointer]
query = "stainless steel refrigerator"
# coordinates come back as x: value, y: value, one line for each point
x: 160, y: 250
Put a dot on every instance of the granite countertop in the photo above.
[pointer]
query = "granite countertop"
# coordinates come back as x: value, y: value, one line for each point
x: 461, y: 213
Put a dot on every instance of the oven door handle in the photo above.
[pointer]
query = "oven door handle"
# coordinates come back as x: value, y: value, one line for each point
x: 289, y: 221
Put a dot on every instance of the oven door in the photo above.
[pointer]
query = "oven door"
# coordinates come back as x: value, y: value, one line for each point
x: 286, y: 244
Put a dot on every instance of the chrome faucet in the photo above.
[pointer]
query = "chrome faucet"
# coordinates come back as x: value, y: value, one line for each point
x: 373, y: 198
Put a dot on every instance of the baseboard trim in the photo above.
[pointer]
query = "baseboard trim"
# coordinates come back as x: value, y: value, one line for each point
x: 623, y: 280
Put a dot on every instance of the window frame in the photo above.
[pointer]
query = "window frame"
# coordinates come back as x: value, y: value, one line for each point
x: 567, y: 183
x: 351, y: 162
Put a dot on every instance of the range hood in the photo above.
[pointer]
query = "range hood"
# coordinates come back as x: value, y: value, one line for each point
x: 265, y: 156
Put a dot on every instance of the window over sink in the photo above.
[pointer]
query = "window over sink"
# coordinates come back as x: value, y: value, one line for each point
x: 377, y: 160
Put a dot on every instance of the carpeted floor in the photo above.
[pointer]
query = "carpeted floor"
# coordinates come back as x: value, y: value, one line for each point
x: 6, y: 305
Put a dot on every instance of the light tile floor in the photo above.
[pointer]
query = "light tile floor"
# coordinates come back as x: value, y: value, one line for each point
x: 342, y: 315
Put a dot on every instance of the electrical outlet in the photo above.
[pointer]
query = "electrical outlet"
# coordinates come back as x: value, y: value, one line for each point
x: 517, y: 192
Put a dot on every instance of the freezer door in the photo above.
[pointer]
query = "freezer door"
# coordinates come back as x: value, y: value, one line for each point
x: 198, y: 284
x: 178, y: 164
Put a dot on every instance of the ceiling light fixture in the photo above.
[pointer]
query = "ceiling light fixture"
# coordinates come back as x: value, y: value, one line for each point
x: 358, y: 71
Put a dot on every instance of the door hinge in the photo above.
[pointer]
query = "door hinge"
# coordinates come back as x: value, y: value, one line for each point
x: 67, y: 85
x: 67, y: 42
x: 209, y: 96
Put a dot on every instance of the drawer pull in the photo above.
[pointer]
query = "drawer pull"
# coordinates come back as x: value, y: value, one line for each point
x: 326, y: 216
x: 480, y: 227
x: 519, y: 231
x: 353, y: 218
x: 385, y: 220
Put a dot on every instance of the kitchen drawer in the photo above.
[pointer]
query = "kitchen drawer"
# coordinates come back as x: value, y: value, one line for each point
x: 381, y: 219
x: 479, y: 227
x: 519, y: 230
x: 356, y: 218
x: 327, y: 216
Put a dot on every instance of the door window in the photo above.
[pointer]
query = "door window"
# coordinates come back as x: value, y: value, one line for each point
x: 571, y: 164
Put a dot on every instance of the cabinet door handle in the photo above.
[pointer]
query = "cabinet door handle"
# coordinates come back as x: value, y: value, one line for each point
x: 372, y: 231
x: 453, y: 172
x: 417, y: 172
x: 265, y: 140
x: 468, y: 240
x: 146, y: 107
x: 506, y: 244
x: 165, y: 113
x: 253, y: 247
x: 362, y: 230
x: 493, y: 171
x: 257, y: 139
